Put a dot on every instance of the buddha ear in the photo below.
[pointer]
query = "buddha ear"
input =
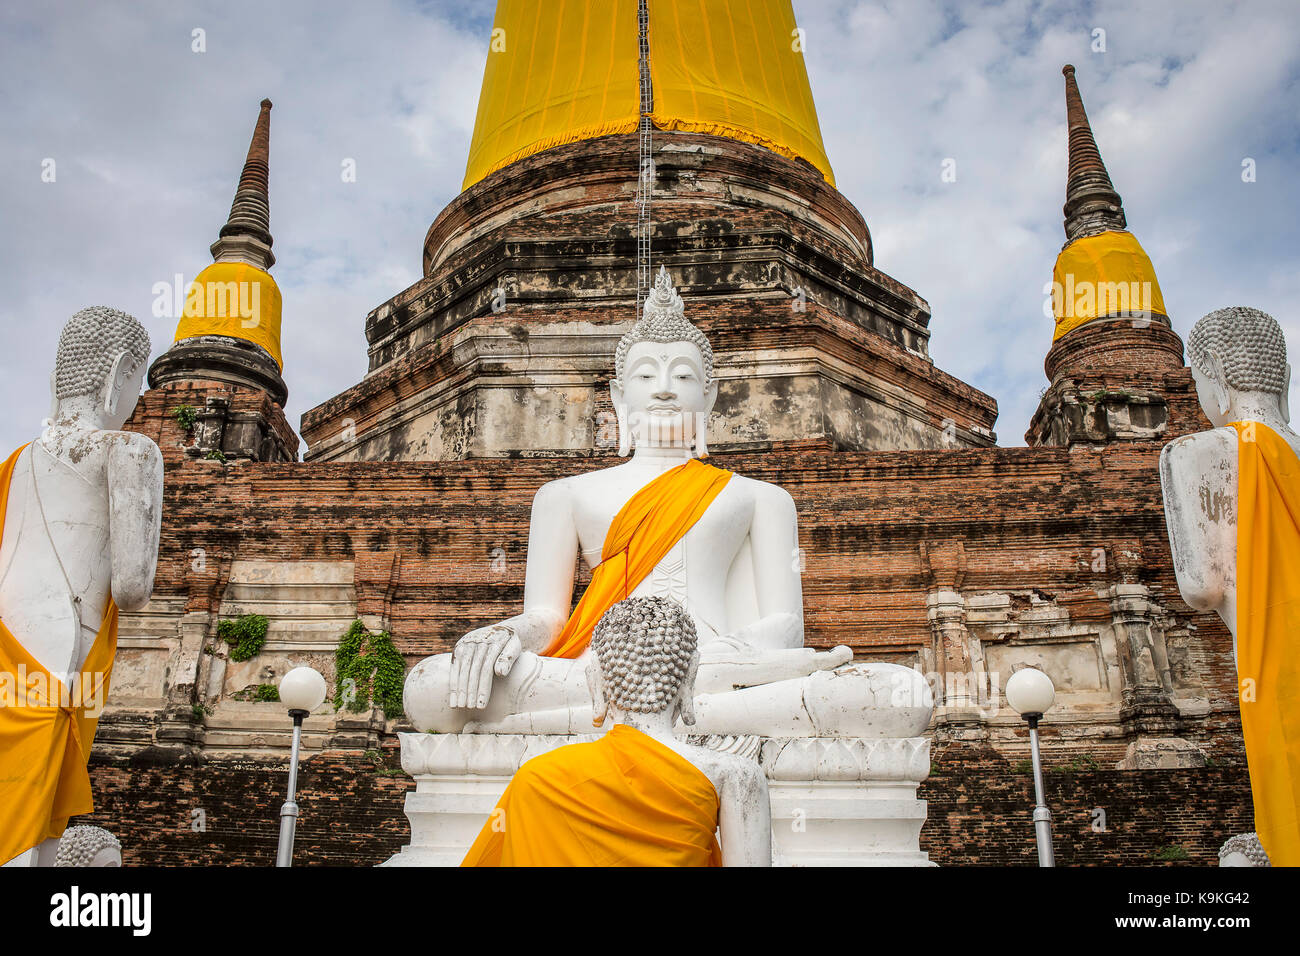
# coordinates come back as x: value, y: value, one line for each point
x: 1222, y: 400
x: 117, y: 377
x: 620, y: 413
x: 1284, y: 396
x: 599, y: 703
x: 686, y: 693
x: 710, y: 396
x: 54, y: 396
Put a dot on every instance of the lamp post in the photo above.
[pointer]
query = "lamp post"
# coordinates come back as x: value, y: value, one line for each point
x: 302, y: 690
x: 1030, y: 693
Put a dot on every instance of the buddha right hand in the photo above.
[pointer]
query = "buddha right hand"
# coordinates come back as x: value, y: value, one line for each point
x: 478, y: 655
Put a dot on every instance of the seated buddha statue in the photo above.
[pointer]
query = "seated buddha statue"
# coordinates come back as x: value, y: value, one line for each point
x: 1232, y: 505
x: 664, y: 523
x: 637, y: 796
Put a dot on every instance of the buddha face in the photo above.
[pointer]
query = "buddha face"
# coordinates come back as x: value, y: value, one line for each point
x: 662, y: 399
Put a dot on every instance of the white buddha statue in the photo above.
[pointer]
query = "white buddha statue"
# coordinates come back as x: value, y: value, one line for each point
x: 1232, y: 505
x: 1238, y: 361
x: 638, y: 796
x: 665, y: 524
x: 82, y: 506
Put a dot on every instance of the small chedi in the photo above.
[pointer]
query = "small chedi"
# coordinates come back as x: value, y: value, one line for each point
x: 1232, y: 501
x: 80, y: 512
x: 666, y: 524
x: 638, y: 796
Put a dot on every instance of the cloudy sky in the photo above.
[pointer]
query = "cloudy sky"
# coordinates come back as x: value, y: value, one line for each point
x: 147, y: 138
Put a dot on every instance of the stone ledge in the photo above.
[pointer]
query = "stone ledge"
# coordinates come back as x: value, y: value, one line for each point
x: 783, y: 758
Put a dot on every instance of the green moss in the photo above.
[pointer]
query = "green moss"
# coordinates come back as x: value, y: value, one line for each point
x: 368, y: 669
x: 185, y: 415
x: 1084, y: 763
x: 246, y: 634
x: 1172, y: 852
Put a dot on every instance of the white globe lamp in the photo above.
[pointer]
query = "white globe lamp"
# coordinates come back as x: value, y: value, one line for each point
x: 302, y: 690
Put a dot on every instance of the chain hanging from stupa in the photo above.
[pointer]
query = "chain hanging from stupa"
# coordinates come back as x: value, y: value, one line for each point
x: 646, y: 177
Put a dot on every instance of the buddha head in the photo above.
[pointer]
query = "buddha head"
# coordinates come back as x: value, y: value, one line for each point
x: 663, y: 388
x: 1239, y: 352
x: 99, y: 366
x: 1243, y: 850
x: 88, y: 846
x: 646, y: 660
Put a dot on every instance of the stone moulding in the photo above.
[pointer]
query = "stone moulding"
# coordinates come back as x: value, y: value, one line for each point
x: 846, y: 758
x: 783, y: 758
x: 836, y: 801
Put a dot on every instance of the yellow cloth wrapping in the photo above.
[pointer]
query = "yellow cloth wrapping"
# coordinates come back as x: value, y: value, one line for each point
x: 1103, y: 275
x: 236, y: 300
x: 735, y: 68
x: 46, y: 729
x: 642, y: 532
x: 1268, y: 633
x: 556, y: 72
x: 623, y: 800
x: 566, y: 70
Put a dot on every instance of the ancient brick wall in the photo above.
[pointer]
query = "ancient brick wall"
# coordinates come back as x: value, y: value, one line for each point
x: 1040, y: 529
x: 980, y: 807
x: 153, y: 416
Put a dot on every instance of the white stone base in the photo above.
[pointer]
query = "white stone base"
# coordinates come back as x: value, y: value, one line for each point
x: 835, y: 801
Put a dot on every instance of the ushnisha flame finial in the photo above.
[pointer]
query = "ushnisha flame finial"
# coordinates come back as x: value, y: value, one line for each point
x: 664, y: 302
x: 664, y: 320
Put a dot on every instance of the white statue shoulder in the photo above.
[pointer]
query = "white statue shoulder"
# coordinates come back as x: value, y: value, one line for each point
x: 1199, y: 476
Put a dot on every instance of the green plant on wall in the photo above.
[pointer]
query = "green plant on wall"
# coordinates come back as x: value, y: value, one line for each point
x: 368, y: 669
x: 262, y: 693
x: 246, y: 635
x: 185, y: 415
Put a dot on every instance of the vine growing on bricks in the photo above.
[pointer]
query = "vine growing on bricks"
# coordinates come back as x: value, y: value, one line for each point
x: 368, y: 669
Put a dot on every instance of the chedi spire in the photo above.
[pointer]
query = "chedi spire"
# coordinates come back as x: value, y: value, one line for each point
x: 1091, y: 203
x: 250, y: 212
x: 229, y: 327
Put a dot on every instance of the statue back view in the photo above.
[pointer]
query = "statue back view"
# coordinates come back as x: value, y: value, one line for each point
x: 81, y: 508
x: 1232, y: 505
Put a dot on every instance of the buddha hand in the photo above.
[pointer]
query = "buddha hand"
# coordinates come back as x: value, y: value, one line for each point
x: 478, y: 655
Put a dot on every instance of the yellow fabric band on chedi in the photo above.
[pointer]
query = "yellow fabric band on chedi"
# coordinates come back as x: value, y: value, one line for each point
x: 724, y: 67
x: 237, y: 300
x: 1103, y: 275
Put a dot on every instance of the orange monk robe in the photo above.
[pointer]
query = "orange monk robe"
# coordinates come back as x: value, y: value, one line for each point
x: 1268, y: 633
x: 644, y: 530
x: 622, y: 800
x: 46, y: 729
